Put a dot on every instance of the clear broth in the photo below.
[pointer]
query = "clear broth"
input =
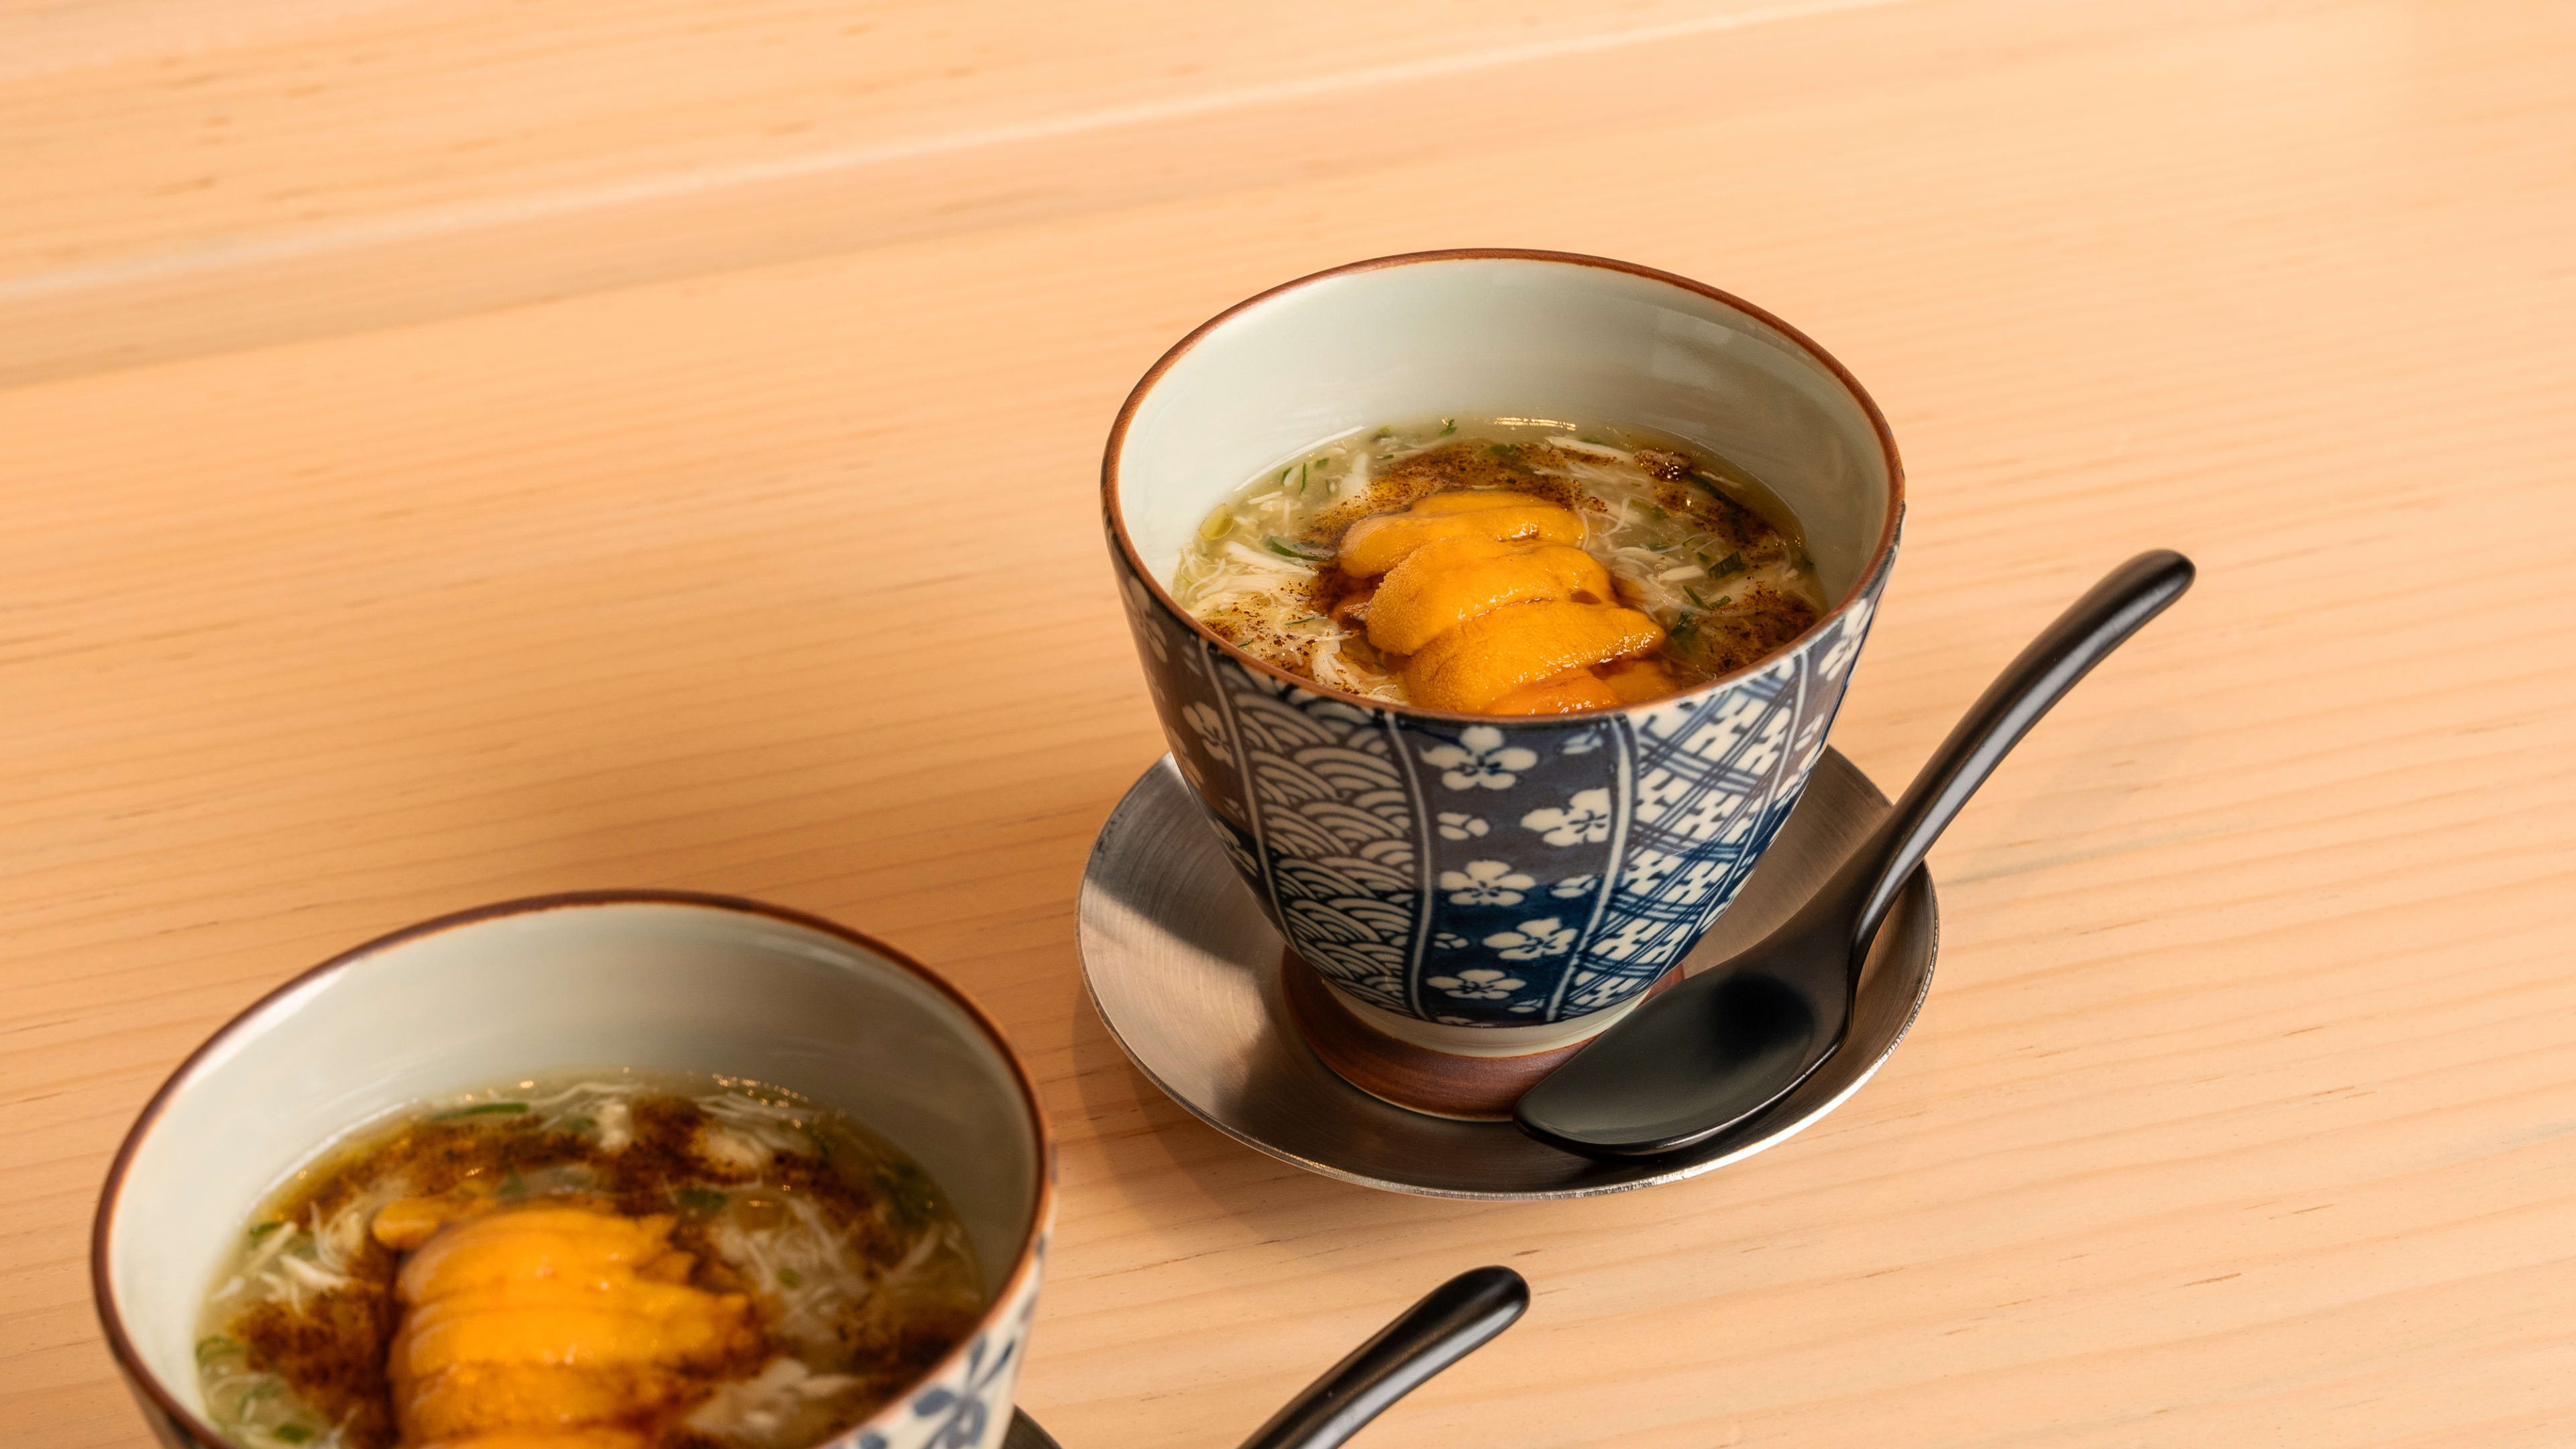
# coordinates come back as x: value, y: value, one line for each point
x: 1690, y: 540
x: 860, y: 1274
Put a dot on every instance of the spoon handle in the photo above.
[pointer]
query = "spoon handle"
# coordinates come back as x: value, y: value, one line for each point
x: 2039, y: 677
x: 1452, y: 1321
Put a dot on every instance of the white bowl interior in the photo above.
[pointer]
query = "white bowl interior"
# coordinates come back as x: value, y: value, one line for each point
x: 1511, y: 336
x: 655, y: 985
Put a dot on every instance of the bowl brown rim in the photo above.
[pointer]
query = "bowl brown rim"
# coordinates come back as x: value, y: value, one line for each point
x: 1116, y: 520
x: 1041, y: 1208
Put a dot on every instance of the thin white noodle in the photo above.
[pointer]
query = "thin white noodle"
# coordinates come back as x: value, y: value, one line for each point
x: 1600, y: 450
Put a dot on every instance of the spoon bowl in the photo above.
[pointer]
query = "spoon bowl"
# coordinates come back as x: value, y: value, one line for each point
x: 1659, y: 1087
x: 1743, y: 1033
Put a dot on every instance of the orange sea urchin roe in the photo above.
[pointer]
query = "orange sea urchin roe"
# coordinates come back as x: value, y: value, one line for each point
x: 1499, y: 613
x: 1446, y: 582
x: 1475, y: 666
x: 553, y: 1327
x: 592, y: 1436
x: 1635, y: 681
x: 1375, y: 545
x: 1581, y: 689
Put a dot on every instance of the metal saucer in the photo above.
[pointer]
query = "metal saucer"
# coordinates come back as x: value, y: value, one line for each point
x: 1184, y: 970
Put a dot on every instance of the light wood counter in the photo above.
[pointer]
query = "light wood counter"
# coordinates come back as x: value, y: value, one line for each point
x: 459, y: 451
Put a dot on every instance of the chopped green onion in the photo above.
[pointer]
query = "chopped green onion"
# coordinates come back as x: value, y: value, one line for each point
x: 1731, y: 564
x: 1285, y: 549
x: 1596, y: 442
x: 1694, y: 596
x: 1309, y: 619
x: 1501, y: 450
x: 291, y: 1433
x: 210, y: 1349
x: 702, y: 1200
x: 484, y: 1109
x: 1722, y: 601
x: 1448, y: 426
x: 789, y: 1277
x: 263, y: 1230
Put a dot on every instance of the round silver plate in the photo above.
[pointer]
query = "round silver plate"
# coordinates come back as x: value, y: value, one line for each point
x: 1185, y: 971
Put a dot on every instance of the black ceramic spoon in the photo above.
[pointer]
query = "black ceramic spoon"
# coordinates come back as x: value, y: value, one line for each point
x: 1740, y: 1035
x: 1451, y: 1322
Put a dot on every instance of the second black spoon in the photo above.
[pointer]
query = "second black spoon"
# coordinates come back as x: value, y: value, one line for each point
x: 1741, y: 1035
x: 1451, y: 1322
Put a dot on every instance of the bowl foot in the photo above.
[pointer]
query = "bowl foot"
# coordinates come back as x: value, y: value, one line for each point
x: 1403, y: 1074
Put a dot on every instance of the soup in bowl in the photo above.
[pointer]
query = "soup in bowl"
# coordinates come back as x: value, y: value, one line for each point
x: 1495, y: 606
x: 623, y: 1171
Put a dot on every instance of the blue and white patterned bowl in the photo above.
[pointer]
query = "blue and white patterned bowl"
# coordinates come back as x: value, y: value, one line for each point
x: 651, y: 979
x: 1459, y: 876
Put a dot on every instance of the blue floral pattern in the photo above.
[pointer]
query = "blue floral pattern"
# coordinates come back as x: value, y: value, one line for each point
x: 1491, y: 874
x: 959, y: 1415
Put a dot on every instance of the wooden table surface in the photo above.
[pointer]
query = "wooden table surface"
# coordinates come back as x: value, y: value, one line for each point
x: 462, y: 450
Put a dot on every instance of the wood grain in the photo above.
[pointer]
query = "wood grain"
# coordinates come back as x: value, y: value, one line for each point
x: 462, y: 451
